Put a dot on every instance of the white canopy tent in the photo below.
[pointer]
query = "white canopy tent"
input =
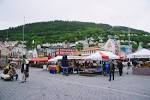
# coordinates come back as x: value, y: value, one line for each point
x: 55, y: 59
x: 100, y: 55
x: 142, y: 53
x: 75, y: 57
x: 69, y: 57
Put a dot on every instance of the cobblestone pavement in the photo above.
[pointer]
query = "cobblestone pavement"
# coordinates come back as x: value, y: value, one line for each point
x: 44, y: 86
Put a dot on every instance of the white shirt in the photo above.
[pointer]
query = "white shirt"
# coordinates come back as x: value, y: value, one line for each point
x: 24, y: 66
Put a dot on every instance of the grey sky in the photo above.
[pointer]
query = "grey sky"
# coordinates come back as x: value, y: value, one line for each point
x: 131, y: 13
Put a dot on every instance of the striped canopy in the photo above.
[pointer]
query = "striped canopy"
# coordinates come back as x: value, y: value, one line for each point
x: 102, y: 55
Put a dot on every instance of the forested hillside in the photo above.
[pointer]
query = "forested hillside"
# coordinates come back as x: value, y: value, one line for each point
x: 71, y: 31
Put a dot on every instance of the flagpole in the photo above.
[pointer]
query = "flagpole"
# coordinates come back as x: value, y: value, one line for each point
x: 23, y: 36
x: 23, y: 28
x: 129, y: 39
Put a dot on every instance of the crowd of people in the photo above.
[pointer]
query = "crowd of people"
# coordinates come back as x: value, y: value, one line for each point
x: 106, y: 68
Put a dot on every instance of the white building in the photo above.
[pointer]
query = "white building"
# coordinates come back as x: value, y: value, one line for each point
x: 18, y: 51
x: 113, y: 46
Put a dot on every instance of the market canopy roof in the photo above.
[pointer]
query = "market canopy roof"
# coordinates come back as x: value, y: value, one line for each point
x: 55, y: 59
x: 142, y: 53
x: 45, y: 59
x: 68, y: 57
x: 102, y: 55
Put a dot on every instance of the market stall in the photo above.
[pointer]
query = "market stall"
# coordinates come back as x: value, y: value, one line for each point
x: 142, y: 53
x: 143, y: 67
x: 57, y: 61
x: 69, y: 58
x: 39, y: 62
x: 102, y: 55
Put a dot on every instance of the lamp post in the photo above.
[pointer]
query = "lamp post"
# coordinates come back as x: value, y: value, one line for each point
x: 117, y: 44
x: 23, y: 53
x: 129, y: 40
x: 7, y: 35
x: 23, y: 29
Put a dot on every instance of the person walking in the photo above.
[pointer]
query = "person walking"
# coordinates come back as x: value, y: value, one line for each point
x: 77, y: 65
x: 128, y: 67
x: 104, y: 68
x: 100, y: 67
x: 64, y: 65
x: 111, y: 70
x: 25, y: 70
x: 120, y: 67
x: 107, y: 65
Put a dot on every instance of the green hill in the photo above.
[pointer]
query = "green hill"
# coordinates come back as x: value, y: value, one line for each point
x: 71, y: 31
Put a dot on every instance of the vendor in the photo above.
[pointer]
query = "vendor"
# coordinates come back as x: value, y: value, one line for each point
x: 9, y: 74
x: 7, y: 68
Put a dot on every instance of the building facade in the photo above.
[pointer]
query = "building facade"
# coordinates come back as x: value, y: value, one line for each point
x: 88, y: 51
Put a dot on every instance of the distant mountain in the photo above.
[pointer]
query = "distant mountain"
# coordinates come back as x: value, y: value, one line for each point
x: 71, y: 31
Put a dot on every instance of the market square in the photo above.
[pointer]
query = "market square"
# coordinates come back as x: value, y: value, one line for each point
x: 45, y: 86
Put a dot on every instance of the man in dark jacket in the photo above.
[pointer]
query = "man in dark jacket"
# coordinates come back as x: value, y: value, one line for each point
x: 111, y: 70
x: 120, y: 67
x: 25, y: 70
x: 128, y: 67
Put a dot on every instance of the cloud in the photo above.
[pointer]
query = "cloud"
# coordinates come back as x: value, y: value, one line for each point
x: 132, y: 13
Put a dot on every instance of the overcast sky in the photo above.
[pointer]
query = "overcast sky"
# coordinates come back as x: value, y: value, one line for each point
x: 130, y: 13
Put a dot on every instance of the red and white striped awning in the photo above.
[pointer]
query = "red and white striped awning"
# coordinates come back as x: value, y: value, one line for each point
x: 102, y: 55
x: 45, y: 59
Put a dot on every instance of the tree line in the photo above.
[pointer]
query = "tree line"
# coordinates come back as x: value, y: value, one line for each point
x: 71, y: 31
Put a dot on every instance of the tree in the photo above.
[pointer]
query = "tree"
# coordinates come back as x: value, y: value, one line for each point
x: 79, y: 46
x: 72, y: 31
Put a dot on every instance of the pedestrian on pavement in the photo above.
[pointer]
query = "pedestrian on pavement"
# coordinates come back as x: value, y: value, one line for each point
x: 65, y: 65
x: 128, y: 67
x: 111, y: 70
x: 120, y: 67
x: 107, y: 65
x: 77, y: 66
x: 104, y: 68
x: 25, y: 70
x: 100, y: 67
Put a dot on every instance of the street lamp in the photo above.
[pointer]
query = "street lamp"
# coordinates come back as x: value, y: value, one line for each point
x: 117, y: 44
x: 7, y: 35
x: 23, y: 29
x: 129, y: 40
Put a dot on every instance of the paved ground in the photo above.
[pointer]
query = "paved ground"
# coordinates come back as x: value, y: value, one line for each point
x: 44, y: 86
